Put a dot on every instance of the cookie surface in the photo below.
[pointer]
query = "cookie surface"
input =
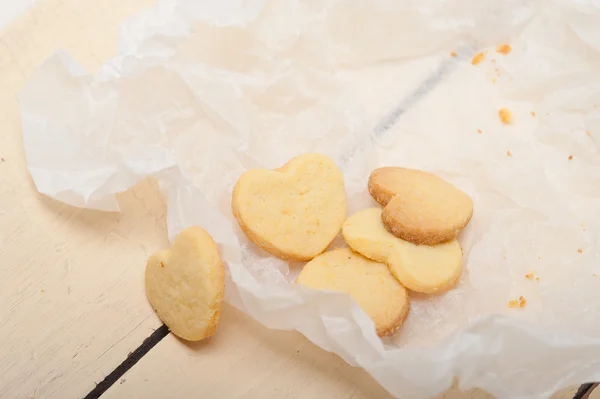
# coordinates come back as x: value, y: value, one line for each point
x: 293, y: 212
x: 420, y: 268
x: 370, y: 283
x: 185, y: 284
x: 419, y: 206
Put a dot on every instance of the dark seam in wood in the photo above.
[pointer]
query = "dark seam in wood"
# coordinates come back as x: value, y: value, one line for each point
x: 128, y: 363
x: 585, y: 390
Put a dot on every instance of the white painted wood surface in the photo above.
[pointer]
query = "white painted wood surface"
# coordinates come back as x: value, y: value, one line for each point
x: 72, y: 300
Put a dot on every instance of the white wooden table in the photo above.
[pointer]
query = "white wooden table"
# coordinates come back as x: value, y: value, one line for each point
x: 72, y: 300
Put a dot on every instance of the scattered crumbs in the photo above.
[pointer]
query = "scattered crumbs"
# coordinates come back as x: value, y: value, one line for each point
x: 505, y: 115
x: 570, y: 157
x: 453, y: 54
x: 508, y: 154
x: 479, y: 131
x: 122, y: 381
x: 594, y: 275
x: 532, y: 113
x: 297, y: 351
x: 580, y: 250
x: 494, y: 60
x: 588, y: 133
x: 478, y: 58
x: 162, y: 264
x: 517, y: 303
x: 503, y: 49
x: 2, y: 159
x: 42, y: 291
x: 497, y: 71
x: 539, y: 257
x: 494, y: 80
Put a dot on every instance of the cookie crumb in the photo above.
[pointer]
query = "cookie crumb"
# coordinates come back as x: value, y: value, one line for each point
x: 517, y: 303
x: 2, y: 159
x: 588, y: 133
x: 478, y: 58
x: 503, y: 49
x: 479, y: 131
x: 505, y: 115
x: 42, y: 291
x: 162, y: 264
x: 539, y: 257
x: 530, y: 276
x: 453, y: 54
x: 494, y: 60
x: 532, y: 113
x: 594, y: 275
x: 508, y: 154
x: 570, y: 157
x: 494, y: 80
x: 580, y: 250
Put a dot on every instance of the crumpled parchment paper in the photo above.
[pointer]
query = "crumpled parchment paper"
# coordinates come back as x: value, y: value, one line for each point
x: 200, y: 91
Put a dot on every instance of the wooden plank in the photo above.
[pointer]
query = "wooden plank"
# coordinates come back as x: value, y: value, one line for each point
x: 246, y: 360
x: 72, y: 300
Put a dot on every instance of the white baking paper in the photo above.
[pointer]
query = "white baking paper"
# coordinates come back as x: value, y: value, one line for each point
x: 201, y: 90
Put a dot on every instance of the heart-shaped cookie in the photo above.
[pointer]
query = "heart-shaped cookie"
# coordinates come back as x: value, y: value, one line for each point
x: 420, y: 268
x: 185, y: 284
x: 370, y: 283
x: 293, y: 212
x: 420, y: 207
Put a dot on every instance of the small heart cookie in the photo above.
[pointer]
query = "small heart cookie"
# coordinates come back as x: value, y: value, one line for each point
x: 370, y: 283
x: 293, y: 212
x: 419, y: 206
x: 420, y: 268
x: 185, y: 284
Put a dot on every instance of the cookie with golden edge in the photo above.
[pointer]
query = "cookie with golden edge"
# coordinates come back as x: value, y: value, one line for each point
x: 420, y: 207
x: 293, y: 212
x: 185, y: 284
x: 420, y: 268
x: 370, y: 283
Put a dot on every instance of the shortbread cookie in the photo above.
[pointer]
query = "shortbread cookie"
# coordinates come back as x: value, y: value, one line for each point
x: 419, y: 206
x: 420, y: 268
x: 370, y: 283
x: 293, y: 212
x: 185, y: 284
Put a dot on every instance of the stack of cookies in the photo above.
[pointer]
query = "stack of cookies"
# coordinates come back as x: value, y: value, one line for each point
x: 296, y: 211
